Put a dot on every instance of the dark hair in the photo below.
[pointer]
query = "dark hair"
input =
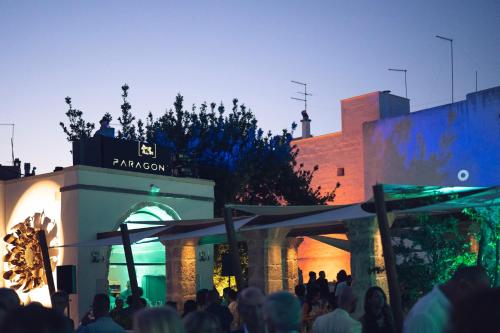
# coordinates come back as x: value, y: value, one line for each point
x: 368, y: 295
x: 341, y: 276
x: 36, y: 318
x: 300, y: 290
x: 201, y: 297
x: 472, y: 274
x: 100, y: 305
x: 189, y: 306
x: 312, y: 274
x: 232, y: 294
x: 195, y: 321
x: 478, y: 312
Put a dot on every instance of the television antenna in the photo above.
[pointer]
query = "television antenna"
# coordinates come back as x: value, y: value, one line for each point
x: 11, y: 140
x: 304, y: 94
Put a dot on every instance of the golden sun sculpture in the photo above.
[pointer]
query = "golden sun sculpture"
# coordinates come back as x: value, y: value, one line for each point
x: 24, y: 256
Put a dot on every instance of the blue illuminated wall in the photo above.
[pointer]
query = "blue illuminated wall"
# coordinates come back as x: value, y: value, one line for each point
x: 454, y: 144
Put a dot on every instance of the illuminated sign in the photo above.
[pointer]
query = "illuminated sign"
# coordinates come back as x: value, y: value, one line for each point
x: 113, y: 153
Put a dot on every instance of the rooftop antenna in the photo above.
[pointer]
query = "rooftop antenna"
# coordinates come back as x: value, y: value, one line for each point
x: 305, y: 94
x: 11, y: 140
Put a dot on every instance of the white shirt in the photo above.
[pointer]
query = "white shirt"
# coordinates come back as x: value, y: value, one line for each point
x: 429, y: 315
x: 337, y: 321
x: 101, y: 325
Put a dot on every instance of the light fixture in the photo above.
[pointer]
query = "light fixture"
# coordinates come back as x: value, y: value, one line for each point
x: 154, y: 189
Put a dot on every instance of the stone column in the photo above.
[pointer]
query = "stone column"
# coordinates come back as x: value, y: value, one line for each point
x: 264, y: 258
x: 290, y: 264
x: 367, y: 261
x: 181, y: 269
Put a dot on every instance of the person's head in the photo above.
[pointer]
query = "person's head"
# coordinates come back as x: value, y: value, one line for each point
x: 312, y: 276
x: 100, y: 305
x: 465, y: 281
x: 478, y: 312
x: 300, y: 290
x: 282, y: 312
x: 375, y: 300
x: 232, y: 295
x: 60, y: 301
x: 347, y: 299
x: 189, y: 306
x: 322, y: 275
x: 213, y: 296
x: 36, y: 318
x: 158, y: 320
x: 341, y: 276
x: 201, y: 298
x: 118, y: 303
x: 9, y: 301
x: 202, y: 322
x: 172, y: 304
x: 250, y: 307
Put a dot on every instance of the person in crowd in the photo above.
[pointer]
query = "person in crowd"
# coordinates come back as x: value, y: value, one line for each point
x: 322, y: 284
x: 348, y: 280
x: 479, y: 312
x: 378, y: 316
x: 189, y: 306
x: 9, y: 301
x: 60, y: 303
x: 118, y: 310
x: 282, y: 313
x: 312, y: 283
x: 431, y: 313
x: 172, y: 304
x: 127, y: 292
x: 102, y: 322
x: 312, y: 308
x: 201, y: 299
x: 339, y: 320
x: 158, y: 320
x: 232, y: 301
x: 250, y: 307
x: 35, y: 318
x: 221, y: 312
x: 300, y: 292
x: 341, y: 283
x: 202, y: 322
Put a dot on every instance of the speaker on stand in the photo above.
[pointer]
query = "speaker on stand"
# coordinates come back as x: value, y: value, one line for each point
x: 66, y: 280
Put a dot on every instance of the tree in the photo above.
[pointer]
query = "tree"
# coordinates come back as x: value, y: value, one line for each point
x: 429, y: 249
x: 247, y: 165
x: 127, y: 119
x: 77, y: 128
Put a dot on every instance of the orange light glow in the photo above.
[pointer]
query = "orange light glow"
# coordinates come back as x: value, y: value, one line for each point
x: 316, y: 256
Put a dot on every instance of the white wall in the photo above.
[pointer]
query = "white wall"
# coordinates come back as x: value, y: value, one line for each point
x: 84, y: 212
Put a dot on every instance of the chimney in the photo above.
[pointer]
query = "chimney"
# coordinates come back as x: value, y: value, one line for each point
x: 306, y: 125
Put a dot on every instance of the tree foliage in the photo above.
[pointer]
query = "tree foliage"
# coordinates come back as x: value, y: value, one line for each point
x: 126, y: 120
x: 430, y: 250
x: 77, y: 127
x: 248, y: 165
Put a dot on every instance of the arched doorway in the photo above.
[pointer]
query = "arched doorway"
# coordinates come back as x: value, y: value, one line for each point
x: 149, y: 256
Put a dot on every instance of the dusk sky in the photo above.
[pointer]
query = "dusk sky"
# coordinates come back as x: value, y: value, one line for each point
x: 218, y: 50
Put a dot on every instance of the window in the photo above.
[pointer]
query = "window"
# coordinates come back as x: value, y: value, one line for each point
x: 340, y: 172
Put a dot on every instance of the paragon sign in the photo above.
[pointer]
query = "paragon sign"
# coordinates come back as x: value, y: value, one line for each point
x: 112, y: 153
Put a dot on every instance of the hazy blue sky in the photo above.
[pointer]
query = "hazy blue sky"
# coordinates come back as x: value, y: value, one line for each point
x: 217, y: 50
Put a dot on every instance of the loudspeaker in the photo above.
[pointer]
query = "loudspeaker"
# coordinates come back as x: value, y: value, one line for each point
x: 66, y: 278
x: 227, y: 267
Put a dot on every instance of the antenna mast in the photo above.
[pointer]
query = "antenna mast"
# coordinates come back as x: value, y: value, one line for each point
x: 11, y: 140
x: 305, y: 94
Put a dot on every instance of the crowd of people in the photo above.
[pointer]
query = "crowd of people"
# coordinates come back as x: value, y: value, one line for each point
x: 464, y: 304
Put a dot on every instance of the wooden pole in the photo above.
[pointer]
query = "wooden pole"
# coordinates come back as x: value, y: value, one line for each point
x: 130, y: 264
x: 42, y: 241
x: 389, y: 257
x: 233, y: 248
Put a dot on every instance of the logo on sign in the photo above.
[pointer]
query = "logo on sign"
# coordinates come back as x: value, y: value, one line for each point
x: 147, y: 150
